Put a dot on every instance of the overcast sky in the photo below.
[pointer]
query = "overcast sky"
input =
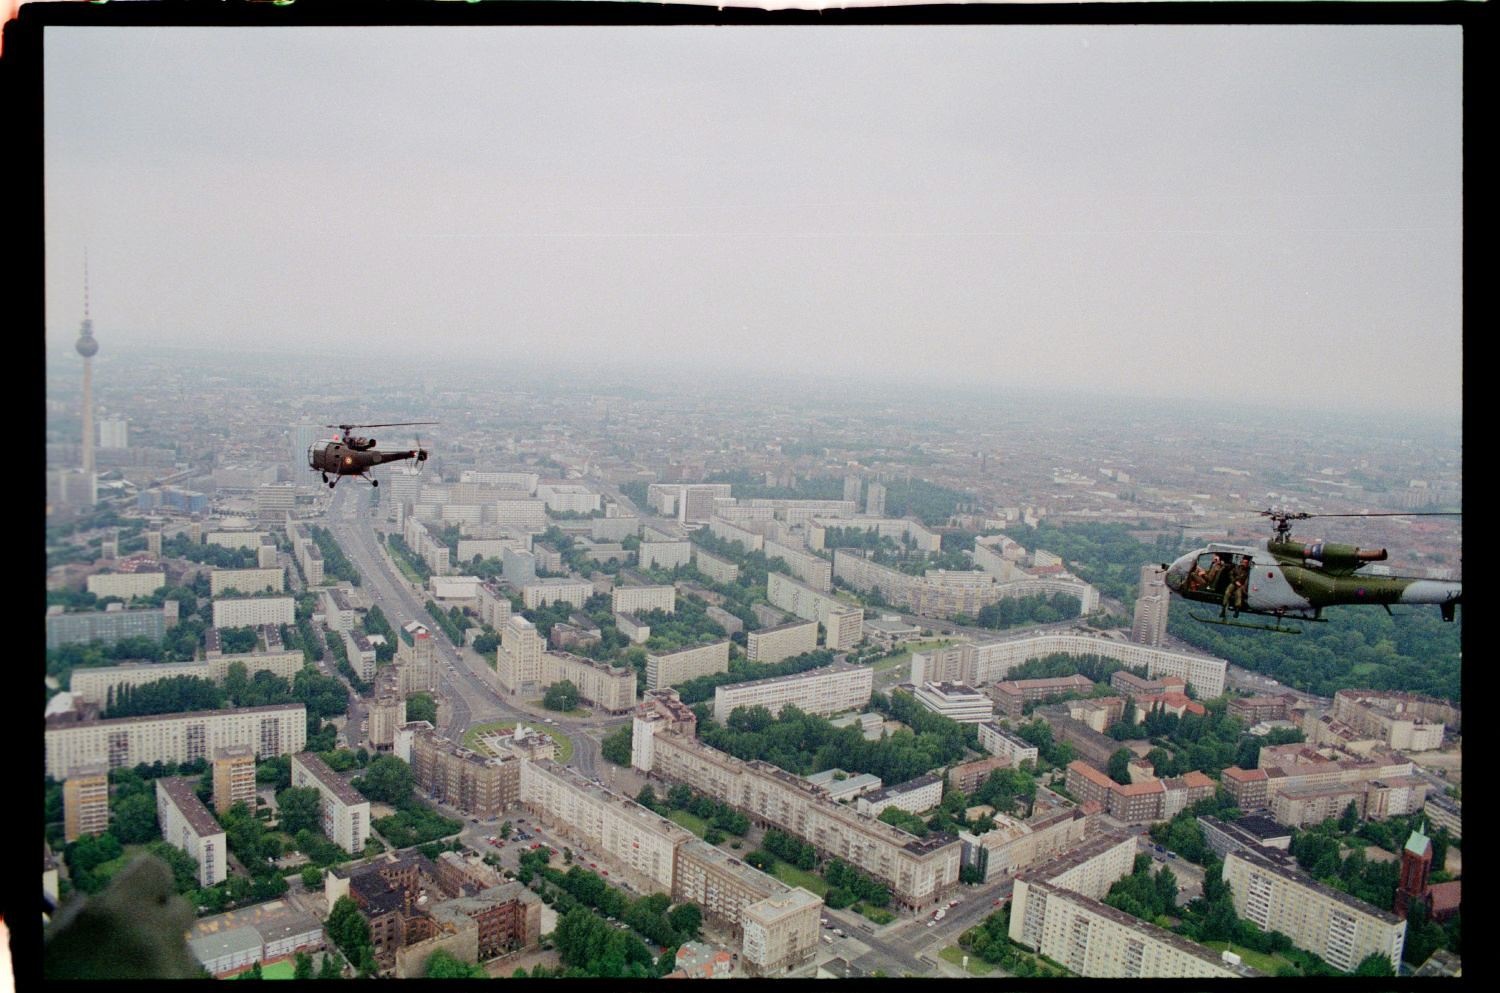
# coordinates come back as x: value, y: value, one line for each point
x: 1176, y: 210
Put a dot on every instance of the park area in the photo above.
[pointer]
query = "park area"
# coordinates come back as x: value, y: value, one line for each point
x: 476, y: 736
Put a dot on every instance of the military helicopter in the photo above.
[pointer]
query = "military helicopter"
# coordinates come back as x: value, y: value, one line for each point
x: 353, y: 456
x: 1286, y: 579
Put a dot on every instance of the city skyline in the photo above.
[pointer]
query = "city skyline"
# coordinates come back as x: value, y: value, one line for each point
x: 1105, y: 210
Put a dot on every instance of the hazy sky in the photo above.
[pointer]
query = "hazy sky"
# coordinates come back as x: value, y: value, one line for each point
x: 1176, y: 210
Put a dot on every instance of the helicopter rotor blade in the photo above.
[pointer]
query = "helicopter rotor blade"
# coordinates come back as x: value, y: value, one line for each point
x: 386, y: 424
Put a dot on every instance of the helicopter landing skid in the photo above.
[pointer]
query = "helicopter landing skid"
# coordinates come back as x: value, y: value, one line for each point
x: 1277, y: 627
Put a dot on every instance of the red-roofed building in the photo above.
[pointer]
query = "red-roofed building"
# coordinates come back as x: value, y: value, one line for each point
x: 1249, y: 787
x: 1443, y: 899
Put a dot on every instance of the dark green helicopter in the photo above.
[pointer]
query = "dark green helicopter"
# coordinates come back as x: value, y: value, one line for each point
x: 1286, y: 579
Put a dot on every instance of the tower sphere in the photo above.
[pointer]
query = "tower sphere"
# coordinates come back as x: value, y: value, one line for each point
x: 87, y: 346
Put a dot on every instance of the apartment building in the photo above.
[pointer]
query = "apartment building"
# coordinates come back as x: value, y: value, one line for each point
x: 1012, y: 696
x: 671, y: 668
x: 898, y: 529
x: 478, y: 785
x: 85, y: 801
x: 1254, y: 709
x: 822, y: 691
x: 981, y: 663
x: 544, y: 591
x: 493, y: 606
x: 717, y: 569
x: 730, y: 893
x: 1402, y: 721
x: 246, y: 580
x: 1013, y: 845
x: 279, y: 729
x: 966, y: 777
x: 1337, y: 927
x: 607, y: 687
x: 114, y: 623
x: 998, y: 741
x: 93, y: 685
x: 623, y: 830
x: 234, y: 777
x: 638, y: 599
x: 842, y: 622
x: 346, y: 814
x: 254, y: 611
x: 813, y: 570
x: 361, y: 652
x: 919, y: 872
x: 664, y: 554
x: 937, y: 593
x: 780, y: 932
x: 568, y: 497
x: 528, y: 516
x: 914, y: 796
x: 659, y: 710
x: 187, y: 825
x: 416, y: 660
x: 773, y: 644
x: 126, y: 585
x: 518, y: 661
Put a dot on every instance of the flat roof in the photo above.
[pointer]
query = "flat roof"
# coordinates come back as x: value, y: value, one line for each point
x: 1260, y: 860
x: 335, y: 783
x: 179, y: 789
x: 189, y: 715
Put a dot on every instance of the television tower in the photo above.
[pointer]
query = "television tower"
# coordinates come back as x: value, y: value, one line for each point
x: 88, y: 348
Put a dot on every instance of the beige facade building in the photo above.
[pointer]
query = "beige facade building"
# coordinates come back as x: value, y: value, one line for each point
x: 822, y: 691
x: 637, y: 599
x: 665, y: 554
x: 279, y: 729
x: 813, y: 570
x: 346, y: 814
x: 672, y: 668
x: 607, y: 687
x: 998, y: 741
x: 842, y: 622
x: 717, y: 569
x: 478, y: 785
x: 529, y: 516
x: 1013, y: 845
x: 1337, y: 927
x: 545, y: 591
x: 246, y: 580
x: 187, y: 825
x: 234, y: 777
x: 777, y: 925
x: 726, y: 530
x: 622, y: 830
x: 772, y: 645
x: 781, y: 932
x: 416, y: 662
x: 254, y: 611
x: 896, y: 528
x: 1401, y: 721
x: 919, y: 872
x: 126, y: 585
x: 659, y: 710
x: 518, y: 660
x: 94, y: 685
x: 85, y: 801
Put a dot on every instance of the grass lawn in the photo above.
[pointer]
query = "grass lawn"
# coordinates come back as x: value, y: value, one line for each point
x: 1255, y: 960
x: 692, y: 822
x: 564, y: 743
x: 793, y: 876
x: 905, y: 656
x: 284, y: 969
x: 977, y: 966
x: 411, y: 574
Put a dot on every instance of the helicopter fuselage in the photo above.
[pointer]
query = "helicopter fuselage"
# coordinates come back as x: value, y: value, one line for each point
x: 1297, y: 580
x: 338, y: 459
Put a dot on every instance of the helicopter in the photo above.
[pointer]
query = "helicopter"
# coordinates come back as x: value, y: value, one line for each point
x: 350, y: 455
x: 1285, y: 579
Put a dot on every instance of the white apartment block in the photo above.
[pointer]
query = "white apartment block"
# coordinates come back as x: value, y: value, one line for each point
x: 1337, y: 927
x: 518, y: 661
x: 461, y: 513
x: 776, y: 924
x: 956, y: 701
x: 678, y: 667
x: 780, y: 932
x: 986, y: 662
x: 128, y: 741
x: 491, y: 548
x: 842, y: 622
x: 717, y: 569
x: 814, y: 571
x: 824, y: 691
x: 636, y: 599
x: 93, y: 685
x: 529, y: 516
x: 990, y: 555
x: 416, y: 662
x: 938, y: 592
x: 919, y: 871
x: 1088, y: 597
x: 614, y: 528
x: 338, y: 612
x: 997, y: 741
x: 720, y: 528
x: 361, y: 654
x: 632, y: 627
x: 1403, y: 721
x: 545, y: 591
x: 253, y: 612
x: 346, y: 814
x: 1012, y: 846
x: 620, y: 829
x: 494, y: 607
x: 527, y: 481
x: 800, y: 512
x: 235, y: 539
x: 188, y: 825
x: 897, y: 529
x: 665, y: 554
x: 692, y: 502
x: 568, y: 497
x: 659, y: 710
x: 126, y: 585
x: 772, y: 645
x: 1092, y: 939
x: 246, y: 580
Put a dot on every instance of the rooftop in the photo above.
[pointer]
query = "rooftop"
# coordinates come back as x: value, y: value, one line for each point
x: 179, y: 789
x: 1257, y: 858
x: 331, y: 780
x: 189, y: 715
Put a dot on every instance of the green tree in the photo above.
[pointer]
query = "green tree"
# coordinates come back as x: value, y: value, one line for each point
x: 348, y: 929
x: 1119, y: 766
x: 616, y: 747
x: 1374, y: 964
x: 304, y: 967
x: 252, y: 973
x: 1349, y: 820
x: 686, y: 919
x: 301, y: 808
x: 133, y: 819
x: 332, y: 966
x: 387, y: 779
x: 442, y: 964
x: 561, y: 696
x: 312, y: 877
x: 421, y: 707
